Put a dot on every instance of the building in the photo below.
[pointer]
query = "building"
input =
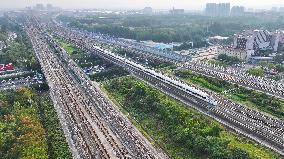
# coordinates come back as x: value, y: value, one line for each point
x: 277, y: 38
x: 39, y: 7
x: 244, y: 55
x: 281, y: 9
x: 215, y: 9
x: 177, y: 11
x: 49, y: 7
x: 255, y: 40
x: 147, y: 10
x: 274, y: 9
x: 256, y: 60
x: 210, y: 9
x: 216, y: 40
x: 200, y: 53
x: 237, y: 11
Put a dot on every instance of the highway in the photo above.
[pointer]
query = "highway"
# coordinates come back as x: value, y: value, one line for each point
x: 94, y: 127
x: 264, y: 129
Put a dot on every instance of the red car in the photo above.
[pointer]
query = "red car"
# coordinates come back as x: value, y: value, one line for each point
x: 9, y: 67
x: 6, y: 67
x: 2, y: 67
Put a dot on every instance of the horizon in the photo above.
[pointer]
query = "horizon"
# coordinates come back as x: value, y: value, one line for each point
x: 139, y: 4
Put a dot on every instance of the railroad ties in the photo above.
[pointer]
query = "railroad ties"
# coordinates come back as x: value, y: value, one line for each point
x: 264, y: 129
x: 95, y: 126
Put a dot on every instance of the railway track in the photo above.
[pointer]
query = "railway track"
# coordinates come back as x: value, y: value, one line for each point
x: 272, y: 88
x: 262, y: 128
x: 87, y: 137
x: 95, y: 127
x: 244, y: 80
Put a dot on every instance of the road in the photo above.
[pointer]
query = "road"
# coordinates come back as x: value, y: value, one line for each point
x: 17, y: 80
x: 15, y: 84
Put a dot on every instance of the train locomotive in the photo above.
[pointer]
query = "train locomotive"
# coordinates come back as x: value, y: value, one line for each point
x: 159, y: 76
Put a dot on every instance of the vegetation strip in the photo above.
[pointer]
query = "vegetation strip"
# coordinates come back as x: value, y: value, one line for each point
x: 251, y: 98
x: 180, y: 130
x: 175, y: 131
x: 29, y: 127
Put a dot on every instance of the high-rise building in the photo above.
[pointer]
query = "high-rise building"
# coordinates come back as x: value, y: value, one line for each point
x: 147, y: 10
x: 39, y: 7
x: 177, y: 11
x: 211, y: 9
x: 281, y: 9
x: 221, y: 9
x: 237, y: 11
x: 49, y: 7
x: 224, y: 9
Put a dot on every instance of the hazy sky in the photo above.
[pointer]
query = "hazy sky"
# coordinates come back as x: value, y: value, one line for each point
x: 136, y: 4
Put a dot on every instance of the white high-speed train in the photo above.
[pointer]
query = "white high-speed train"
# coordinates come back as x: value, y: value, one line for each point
x: 159, y: 76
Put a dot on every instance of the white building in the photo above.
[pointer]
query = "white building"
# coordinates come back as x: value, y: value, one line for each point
x: 257, y: 40
x: 242, y: 54
x: 277, y: 38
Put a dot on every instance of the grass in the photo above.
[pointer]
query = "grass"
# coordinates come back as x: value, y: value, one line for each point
x: 255, y: 150
x: 250, y: 98
x: 154, y: 126
x: 151, y: 128
x: 66, y: 46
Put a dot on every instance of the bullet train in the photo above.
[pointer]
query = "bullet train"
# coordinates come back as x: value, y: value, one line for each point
x: 175, y: 83
x: 159, y: 76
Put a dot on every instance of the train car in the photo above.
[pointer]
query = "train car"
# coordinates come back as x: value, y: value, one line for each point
x: 175, y: 83
x: 184, y: 87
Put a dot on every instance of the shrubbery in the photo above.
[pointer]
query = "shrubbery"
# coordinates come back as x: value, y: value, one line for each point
x: 181, y: 131
x: 29, y: 127
x: 259, y: 100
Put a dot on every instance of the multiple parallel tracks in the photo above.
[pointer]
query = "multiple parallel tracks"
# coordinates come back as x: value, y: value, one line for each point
x: 262, y: 128
x: 93, y: 126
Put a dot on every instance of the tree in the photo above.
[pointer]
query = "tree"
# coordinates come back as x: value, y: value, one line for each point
x: 229, y: 60
x: 256, y: 72
x: 239, y: 154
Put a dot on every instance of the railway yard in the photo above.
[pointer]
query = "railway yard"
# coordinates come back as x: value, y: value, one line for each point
x: 102, y: 80
x: 94, y: 127
x: 262, y: 128
x: 261, y: 84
